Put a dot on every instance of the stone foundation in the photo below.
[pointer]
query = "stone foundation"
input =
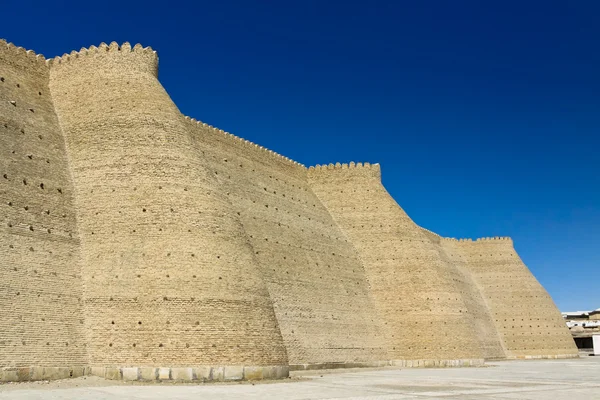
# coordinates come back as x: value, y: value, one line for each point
x: 472, y: 362
x: 214, y: 373
x: 24, y: 374
x: 543, y: 357
x: 193, y: 374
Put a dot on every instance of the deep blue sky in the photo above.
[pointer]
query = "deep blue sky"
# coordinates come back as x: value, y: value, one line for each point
x: 485, y: 116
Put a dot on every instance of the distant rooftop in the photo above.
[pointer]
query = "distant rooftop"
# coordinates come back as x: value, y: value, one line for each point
x: 580, y: 313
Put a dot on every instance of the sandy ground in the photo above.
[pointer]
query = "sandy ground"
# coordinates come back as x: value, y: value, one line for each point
x: 536, y: 379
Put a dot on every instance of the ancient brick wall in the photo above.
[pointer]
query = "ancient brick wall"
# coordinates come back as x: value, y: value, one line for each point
x: 41, y: 318
x: 421, y: 298
x: 483, y: 324
x: 170, y: 276
x: 146, y: 245
x: 527, y: 319
x: 316, y: 281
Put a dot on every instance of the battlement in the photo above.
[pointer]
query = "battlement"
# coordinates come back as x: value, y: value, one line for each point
x: 136, y: 58
x: 479, y: 240
x: 91, y: 52
x: 20, y: 51
x: 25, y: 60
x: 468, y: 240
x: 103, y: 48
x: 238, y: 141
x: 366, y: 170
x: 431, y: 232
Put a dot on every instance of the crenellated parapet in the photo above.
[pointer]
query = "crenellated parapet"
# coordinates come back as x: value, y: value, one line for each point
x: 21, y: 57
x: 241, y: 142
x: 495, y: 239
x: 344, y: 171
x: 20, y: 51
x: 137, y: 58
x: 431, y: 232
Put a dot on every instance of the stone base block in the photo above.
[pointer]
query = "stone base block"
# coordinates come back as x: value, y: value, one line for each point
x: 543, y: 357
x: 192, y: 374
x: 24, y: 374
x: 183, y: 374
x: 130, y: 374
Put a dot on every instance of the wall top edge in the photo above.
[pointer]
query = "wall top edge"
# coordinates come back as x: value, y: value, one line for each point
x: 113, y: 47
x: 461, y: 240
x: 102, y: 48
x: 245, y: 142
x: 352, y: 164
x: 20, y: 51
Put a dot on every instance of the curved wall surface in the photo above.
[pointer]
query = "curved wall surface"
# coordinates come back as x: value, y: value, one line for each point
x: 136, y: 243
x: 41, y: 323
x: 525, y: 315
x: 483, y: 324
x: 170, y: 276
x: 420, y: 296
x: 316, y: 281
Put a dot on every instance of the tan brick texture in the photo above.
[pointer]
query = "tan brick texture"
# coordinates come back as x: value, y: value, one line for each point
x: 139, y: 244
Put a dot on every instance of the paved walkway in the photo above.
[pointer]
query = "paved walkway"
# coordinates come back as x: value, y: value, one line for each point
x: 544, y: 379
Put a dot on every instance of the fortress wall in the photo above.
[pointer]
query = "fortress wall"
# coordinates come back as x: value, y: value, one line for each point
x: 316, y: 280
x: 525, y: 316
x: 483, y: 323
x: 171, y: 279
x: 421, y: 297
x: 41, y: 322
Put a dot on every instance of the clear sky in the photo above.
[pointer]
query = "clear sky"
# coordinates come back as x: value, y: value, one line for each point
x: 485, y: 115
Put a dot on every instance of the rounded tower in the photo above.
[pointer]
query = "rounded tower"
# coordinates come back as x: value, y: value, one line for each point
x: 527, y: 319
x: 41, y: 329
x: 170, y: 279
x: 418, y: 294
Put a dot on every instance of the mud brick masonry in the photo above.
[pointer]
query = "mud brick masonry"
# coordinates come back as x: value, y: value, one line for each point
x: 138, y: 243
